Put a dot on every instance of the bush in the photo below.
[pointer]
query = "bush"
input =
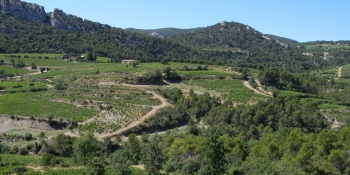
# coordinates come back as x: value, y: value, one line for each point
x: 23, y: 151
x: 27, y: 136
x: 46, y: 159
x: 18, y: 169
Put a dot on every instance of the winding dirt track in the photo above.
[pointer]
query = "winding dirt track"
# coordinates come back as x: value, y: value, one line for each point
x: 246, y: 84
x: 141, y: 120
x: 339, y: 72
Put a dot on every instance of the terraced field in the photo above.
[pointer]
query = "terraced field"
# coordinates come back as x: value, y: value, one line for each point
x: 94, y: 94
x: 231, y: 89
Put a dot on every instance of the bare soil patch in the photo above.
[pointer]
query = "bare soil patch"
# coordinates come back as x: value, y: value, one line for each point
x: 8, y: 123
x: 339, y: 72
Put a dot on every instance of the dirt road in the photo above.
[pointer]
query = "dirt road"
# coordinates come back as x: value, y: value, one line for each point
x: 246, y: 84
x: 339, y: 72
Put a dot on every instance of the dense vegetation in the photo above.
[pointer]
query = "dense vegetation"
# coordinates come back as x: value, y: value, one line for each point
x: 230, y: 44
x: 165, y: 32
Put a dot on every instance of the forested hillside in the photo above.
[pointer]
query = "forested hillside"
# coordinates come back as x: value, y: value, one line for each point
x: 223, y: 99
x: 163, y: 32
x: 226, y: 43
x: 283, y: 40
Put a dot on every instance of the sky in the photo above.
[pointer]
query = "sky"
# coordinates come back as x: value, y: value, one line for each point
x: 301, y: 20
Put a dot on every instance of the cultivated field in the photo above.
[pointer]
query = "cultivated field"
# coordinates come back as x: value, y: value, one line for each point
x: 96, y: 94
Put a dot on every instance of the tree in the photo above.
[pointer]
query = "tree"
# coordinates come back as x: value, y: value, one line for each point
x: 121, y: 162
x: 213, y: 155
x: 2, y: 73
x: 33, y: 66
x: 2, y: 62
x: 95, y: 166
x: 132, y: 147
x: 62, y: 144
x: 13, y: 62
x: 89, y: 57
x: 46, y: 159
x: 85, y: 148
x: 164, y: 61
x: 42, y: 69
x: 134, y: 63
x: 152, y: 155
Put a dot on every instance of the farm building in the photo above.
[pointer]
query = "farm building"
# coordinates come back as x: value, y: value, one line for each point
x: 127, y: 61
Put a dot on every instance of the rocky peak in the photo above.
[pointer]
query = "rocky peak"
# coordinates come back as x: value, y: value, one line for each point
x: 27, y: 11
x: 223, y: 23
x: 59, y: 19
x: 156, y: 34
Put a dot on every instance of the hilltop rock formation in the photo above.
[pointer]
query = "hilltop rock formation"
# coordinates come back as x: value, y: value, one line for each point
x: 156, y: 34
x: 36, y: 13
x: 59, y: 20
x: 27, y: 11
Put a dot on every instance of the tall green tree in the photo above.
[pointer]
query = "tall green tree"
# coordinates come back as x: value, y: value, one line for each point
x: 85, y: 148
x: 152, y: 155
x: 121, y: 162
x: 133, y: 149
x: 95, y: 166
x: 213, y: 155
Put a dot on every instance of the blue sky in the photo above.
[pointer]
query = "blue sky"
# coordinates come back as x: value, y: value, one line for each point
x: 301, y: 20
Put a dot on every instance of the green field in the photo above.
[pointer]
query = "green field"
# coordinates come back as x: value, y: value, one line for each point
x: 22, y: 86
x: 12, y: 71
x: 94, y: 90
x: 233, y: 90
x: 39, y: 105
x: 345, y: 72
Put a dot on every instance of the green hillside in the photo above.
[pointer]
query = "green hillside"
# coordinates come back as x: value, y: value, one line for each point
x: 222, y: 99
x: 165, y: 32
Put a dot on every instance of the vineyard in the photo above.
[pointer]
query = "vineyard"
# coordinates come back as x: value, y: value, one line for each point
x: 22, y: 86
x: 12, y: 71
x: 117, y: 116
x: 36, y: 105
x: 233, y: 90
x: 345, y: 72
x: 344, y: 117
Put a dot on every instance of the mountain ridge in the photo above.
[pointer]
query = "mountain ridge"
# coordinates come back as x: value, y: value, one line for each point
x: 228, y: 43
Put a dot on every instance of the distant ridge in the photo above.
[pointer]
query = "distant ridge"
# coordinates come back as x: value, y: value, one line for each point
x: 165, y: 32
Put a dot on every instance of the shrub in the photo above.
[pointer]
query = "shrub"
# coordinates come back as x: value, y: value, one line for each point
x: 27, y: 136
x: 18, y: 169
x: 23, y: 151
x: 46, y: 159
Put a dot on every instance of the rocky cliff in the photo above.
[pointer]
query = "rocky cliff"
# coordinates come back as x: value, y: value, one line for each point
x: 34, y: 12
x: 27, y: 11
x: 60, y: 20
